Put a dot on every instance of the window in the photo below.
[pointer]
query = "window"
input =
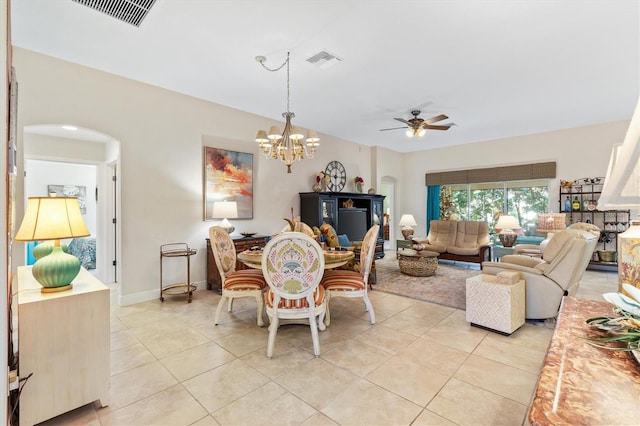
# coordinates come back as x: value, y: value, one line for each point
x: 484, y: 201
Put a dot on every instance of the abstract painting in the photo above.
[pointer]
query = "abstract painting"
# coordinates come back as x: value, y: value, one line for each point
x: 228, y: 175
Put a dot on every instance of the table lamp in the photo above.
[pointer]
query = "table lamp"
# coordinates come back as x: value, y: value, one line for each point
x: 505, y: 229
x: 224, y: 210
x: 53, y: 218
x: 407, y: 221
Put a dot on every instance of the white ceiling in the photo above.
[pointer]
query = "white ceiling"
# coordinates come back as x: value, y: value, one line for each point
x: 497, y: 68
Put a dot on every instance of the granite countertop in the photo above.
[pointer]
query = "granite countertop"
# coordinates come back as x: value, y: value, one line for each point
x: 581, y: 384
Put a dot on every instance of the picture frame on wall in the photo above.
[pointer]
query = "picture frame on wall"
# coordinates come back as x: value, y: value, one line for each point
x: 228, y: 176
x: 80, y: 192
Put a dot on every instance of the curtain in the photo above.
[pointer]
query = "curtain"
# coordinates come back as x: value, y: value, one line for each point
x: 433, y: 204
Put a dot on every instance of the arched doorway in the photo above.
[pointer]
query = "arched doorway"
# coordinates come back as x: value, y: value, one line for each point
x: 59, y: 155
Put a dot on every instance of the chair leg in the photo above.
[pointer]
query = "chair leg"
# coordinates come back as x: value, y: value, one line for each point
x: 230, y: 308
x: 273, y: 329
x: 369, y: 307
x: 313, y: 325
x: 327, y: 315
x: 260, y: 308
x: 219, y: 309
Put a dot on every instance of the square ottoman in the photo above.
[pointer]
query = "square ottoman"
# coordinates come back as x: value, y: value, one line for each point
x: 496, y: 302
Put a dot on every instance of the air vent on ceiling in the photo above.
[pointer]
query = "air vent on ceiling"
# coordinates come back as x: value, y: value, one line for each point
x: 129, y: 11
x: 324, y: 59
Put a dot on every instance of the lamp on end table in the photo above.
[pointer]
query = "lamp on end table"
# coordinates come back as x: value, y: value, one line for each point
x: 407, y: 221
x: 505, y: 229
x: 224, y: 210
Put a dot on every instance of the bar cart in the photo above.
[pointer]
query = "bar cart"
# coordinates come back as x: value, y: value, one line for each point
x: 177, y: 250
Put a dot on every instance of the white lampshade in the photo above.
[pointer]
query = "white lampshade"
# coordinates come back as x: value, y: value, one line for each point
x: 51, y: 218
x: 621, y: 188
x: 507, y: 222
x: 261, y: 137
x: 274, y: 133
x: 225, y: 210
x: 312, y: 138
x: 407, y: 220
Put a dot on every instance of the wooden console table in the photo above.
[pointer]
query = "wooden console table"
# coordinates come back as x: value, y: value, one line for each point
x: 241, y: 244
x: 581, y: 384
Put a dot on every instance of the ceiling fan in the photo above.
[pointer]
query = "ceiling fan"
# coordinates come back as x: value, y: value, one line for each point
x: 417, y: 126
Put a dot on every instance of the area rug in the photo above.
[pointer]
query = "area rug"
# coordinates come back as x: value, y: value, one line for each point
x: 447, y: 287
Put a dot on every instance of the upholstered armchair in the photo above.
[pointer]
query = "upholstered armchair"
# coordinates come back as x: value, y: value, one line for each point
x: 556, y: 274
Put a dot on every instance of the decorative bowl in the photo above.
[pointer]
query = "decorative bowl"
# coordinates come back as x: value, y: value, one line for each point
x: 248, y: 234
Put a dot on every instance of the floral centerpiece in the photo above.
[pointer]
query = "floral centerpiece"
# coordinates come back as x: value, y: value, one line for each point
x: 358, y: 182
x: 624, y: 329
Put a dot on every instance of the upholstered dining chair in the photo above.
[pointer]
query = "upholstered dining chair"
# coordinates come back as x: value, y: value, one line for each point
x: 345, y: 283
x: 293, y: 264
x: 241, y: 283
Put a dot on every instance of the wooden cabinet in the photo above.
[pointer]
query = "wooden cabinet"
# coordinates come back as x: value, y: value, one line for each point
x: 578, y: 200
x: 317, y: 208
x: 63, y: 340
x: 241, y: 244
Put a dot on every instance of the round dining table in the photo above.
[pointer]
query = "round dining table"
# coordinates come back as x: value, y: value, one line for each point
x: 332, y: 259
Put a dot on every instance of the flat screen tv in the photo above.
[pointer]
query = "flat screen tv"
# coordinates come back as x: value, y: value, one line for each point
x: 353, y: 223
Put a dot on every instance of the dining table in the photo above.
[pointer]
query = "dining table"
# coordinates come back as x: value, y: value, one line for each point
x: 332, y: 259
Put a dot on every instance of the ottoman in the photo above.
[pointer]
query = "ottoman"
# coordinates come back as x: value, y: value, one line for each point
x: 496, y: 302
x: 418, y: 263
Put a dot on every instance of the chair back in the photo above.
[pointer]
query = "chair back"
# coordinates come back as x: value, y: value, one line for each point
x: 367, y: 251
x: 224, y: 252
x: 292, y: 265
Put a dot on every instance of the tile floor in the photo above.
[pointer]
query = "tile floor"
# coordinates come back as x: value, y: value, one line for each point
x: 420, y: 364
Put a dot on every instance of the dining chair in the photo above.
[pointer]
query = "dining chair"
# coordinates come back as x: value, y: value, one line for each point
x: 346, y: 283
x: 293, y: 264
x: 240, y: 283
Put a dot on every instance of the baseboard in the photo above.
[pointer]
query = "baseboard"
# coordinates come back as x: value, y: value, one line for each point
x: 145, y: 296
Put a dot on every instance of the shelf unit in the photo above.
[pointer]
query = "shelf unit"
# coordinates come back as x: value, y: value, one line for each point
x: 585, y: 192
x: 317, y: 208
x: 187, y: 287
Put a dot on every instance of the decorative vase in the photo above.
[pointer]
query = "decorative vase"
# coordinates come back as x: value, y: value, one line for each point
x: 359, y: 187
x: 629, y: 257
x: 316, y: 187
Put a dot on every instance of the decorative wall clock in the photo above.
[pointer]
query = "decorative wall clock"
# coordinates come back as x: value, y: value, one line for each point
x: 337, y: 176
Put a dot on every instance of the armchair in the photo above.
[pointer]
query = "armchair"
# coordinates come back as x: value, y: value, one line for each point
x: 556, y: 274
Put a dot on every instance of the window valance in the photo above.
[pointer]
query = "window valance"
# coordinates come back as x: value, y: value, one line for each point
x: 493, y: 174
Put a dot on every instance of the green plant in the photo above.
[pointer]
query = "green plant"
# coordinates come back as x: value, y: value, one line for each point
x: 624, y: 329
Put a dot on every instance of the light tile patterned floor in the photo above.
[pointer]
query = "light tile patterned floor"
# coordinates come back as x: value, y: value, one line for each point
x: 420, y: 364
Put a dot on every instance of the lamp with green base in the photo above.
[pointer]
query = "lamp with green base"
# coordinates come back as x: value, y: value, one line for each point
x: 53, y: 218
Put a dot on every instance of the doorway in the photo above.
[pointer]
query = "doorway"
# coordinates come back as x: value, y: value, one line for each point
x: 82, y: 158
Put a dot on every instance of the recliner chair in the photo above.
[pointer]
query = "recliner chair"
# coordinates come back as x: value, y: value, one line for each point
x: 556, y: 274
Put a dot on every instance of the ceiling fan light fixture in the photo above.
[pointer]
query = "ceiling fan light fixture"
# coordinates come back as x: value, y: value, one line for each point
x: 410, y: 132
x: 421, y: 133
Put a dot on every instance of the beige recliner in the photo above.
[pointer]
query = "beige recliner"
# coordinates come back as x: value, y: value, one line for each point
x: 556, y: 274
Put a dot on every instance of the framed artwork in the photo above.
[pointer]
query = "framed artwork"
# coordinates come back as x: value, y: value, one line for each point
x: 228, y: 175
x: 80, y: 192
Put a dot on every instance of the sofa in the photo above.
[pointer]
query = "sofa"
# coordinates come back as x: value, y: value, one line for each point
x: 461, y: 240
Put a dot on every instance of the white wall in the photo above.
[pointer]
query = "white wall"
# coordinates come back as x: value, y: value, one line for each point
x: 161, y: 135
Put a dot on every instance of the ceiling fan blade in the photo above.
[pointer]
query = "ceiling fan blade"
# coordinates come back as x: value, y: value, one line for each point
x: 436, y: 119
x: 394, y: 128
x: 403, y: 121
x: 436, y: 127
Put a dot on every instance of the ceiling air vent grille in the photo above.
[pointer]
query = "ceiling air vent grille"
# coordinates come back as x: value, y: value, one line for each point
x: 324, y: 59
x: 129, y: 11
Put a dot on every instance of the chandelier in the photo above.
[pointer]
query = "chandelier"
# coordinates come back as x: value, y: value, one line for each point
x: 287, y: 146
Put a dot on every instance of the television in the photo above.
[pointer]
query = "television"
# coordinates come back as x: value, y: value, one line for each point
x: 353, y: 223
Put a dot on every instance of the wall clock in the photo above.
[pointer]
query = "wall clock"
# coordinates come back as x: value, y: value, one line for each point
x: 337, y: 176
